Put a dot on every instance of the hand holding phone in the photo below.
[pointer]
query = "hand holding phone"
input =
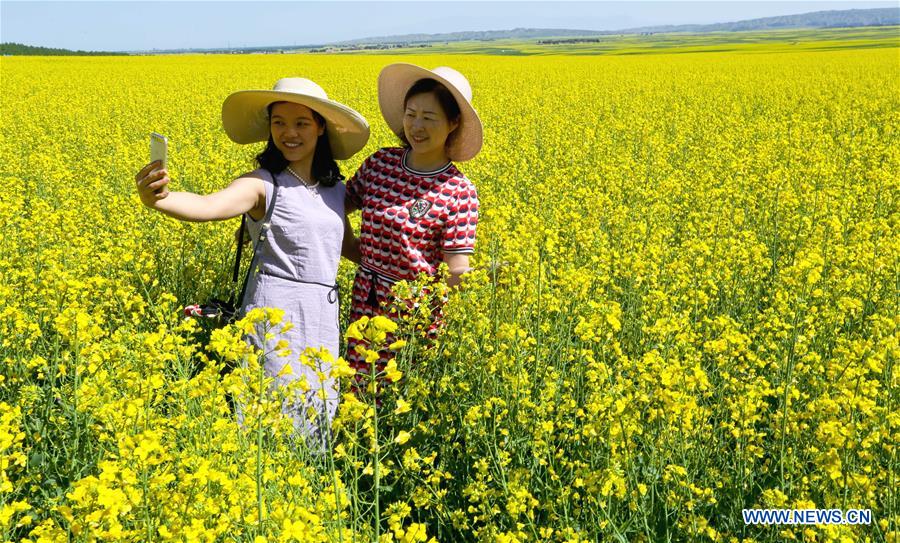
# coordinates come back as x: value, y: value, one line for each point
x: 159, y: 149
x: 153, y: 178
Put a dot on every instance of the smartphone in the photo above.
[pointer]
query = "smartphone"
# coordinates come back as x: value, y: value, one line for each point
x: 159, y: 147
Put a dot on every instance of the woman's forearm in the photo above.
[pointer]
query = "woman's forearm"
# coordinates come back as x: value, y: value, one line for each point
x: 185, y: 206
x: 239, y: 197
x: 455, y: 277
x: 350, y: 244
x: 350, y: 249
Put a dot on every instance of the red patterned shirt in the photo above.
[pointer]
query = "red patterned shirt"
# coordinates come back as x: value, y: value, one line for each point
x: 410, y: 217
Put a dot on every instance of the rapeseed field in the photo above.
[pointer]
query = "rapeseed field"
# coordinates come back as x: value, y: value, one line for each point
x: 685, y: 305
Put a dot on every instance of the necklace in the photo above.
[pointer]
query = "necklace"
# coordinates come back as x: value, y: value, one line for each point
x: 312, y: 187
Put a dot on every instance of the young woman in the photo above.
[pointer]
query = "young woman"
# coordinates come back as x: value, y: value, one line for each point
x: 418, y: 209
x: 301, y: 235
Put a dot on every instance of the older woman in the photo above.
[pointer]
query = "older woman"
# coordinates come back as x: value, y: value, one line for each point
x: 418, y: 209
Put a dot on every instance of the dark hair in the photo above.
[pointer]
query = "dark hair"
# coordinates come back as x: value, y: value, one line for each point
x: 324, y: 168
x: 444, y: 97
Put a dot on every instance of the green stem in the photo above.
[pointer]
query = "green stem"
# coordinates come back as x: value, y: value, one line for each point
x: 147, y: 522
x: 259, y: 499
x: 334, y: 483
x: 77, y: 379
x: 786, y: 395
x: 376, y: 456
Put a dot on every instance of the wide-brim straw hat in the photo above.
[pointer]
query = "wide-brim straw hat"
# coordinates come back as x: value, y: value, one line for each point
x: 246, y: 119
x: 394, y: 82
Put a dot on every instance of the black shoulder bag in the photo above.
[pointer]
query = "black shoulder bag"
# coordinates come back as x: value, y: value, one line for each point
x: 222, y: 312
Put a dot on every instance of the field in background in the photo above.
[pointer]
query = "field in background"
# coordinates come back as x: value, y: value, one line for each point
x: 686, y: 304
x: 792, y: 40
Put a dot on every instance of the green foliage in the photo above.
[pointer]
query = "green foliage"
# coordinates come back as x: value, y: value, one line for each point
x: 18, y: 49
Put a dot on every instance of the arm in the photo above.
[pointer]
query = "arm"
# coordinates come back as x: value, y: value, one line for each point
x: 458, y: 265
x: 241, y: 196
x: 355, y: 188
x: 350, y: 245
x: 458, y: 241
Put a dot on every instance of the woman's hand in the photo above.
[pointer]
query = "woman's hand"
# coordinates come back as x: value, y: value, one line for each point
x: 152, y: 184
x: 457, y: 265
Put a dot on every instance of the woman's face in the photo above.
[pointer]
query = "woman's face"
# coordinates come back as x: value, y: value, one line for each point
x: 294, y: 130
x: 426, y: 125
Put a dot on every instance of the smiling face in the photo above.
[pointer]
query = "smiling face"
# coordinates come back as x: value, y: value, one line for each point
x: 295, y: 131
x: 426, y: 126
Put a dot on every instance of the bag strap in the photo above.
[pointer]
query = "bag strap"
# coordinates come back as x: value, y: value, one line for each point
x: 240, y: 249
x: 264, y: 228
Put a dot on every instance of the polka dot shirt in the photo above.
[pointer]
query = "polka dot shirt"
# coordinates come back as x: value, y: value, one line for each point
x: 411, y: 217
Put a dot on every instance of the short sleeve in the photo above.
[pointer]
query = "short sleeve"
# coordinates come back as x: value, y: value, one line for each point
x: 462, y: 219
x: 267, y: 179
x: 357, y: 185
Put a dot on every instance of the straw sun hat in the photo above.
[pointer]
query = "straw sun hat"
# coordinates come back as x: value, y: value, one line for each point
x: 394, y: 82
x: 246, y: 120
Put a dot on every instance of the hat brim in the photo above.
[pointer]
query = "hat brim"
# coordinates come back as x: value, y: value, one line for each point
x: 394, y: 82
x: 246, y: 120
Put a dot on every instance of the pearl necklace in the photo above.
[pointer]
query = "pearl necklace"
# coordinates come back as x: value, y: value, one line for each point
x: 311, y: 187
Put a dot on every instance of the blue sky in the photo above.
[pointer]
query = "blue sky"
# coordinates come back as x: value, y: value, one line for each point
x: 132, y: 26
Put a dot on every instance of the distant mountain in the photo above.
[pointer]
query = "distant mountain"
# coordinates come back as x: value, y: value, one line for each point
x: 516, y: 33
x: 816, y: 19
x: 22, y: 49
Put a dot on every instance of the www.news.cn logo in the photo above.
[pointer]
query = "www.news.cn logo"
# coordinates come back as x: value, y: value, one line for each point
x: 807, y: 516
